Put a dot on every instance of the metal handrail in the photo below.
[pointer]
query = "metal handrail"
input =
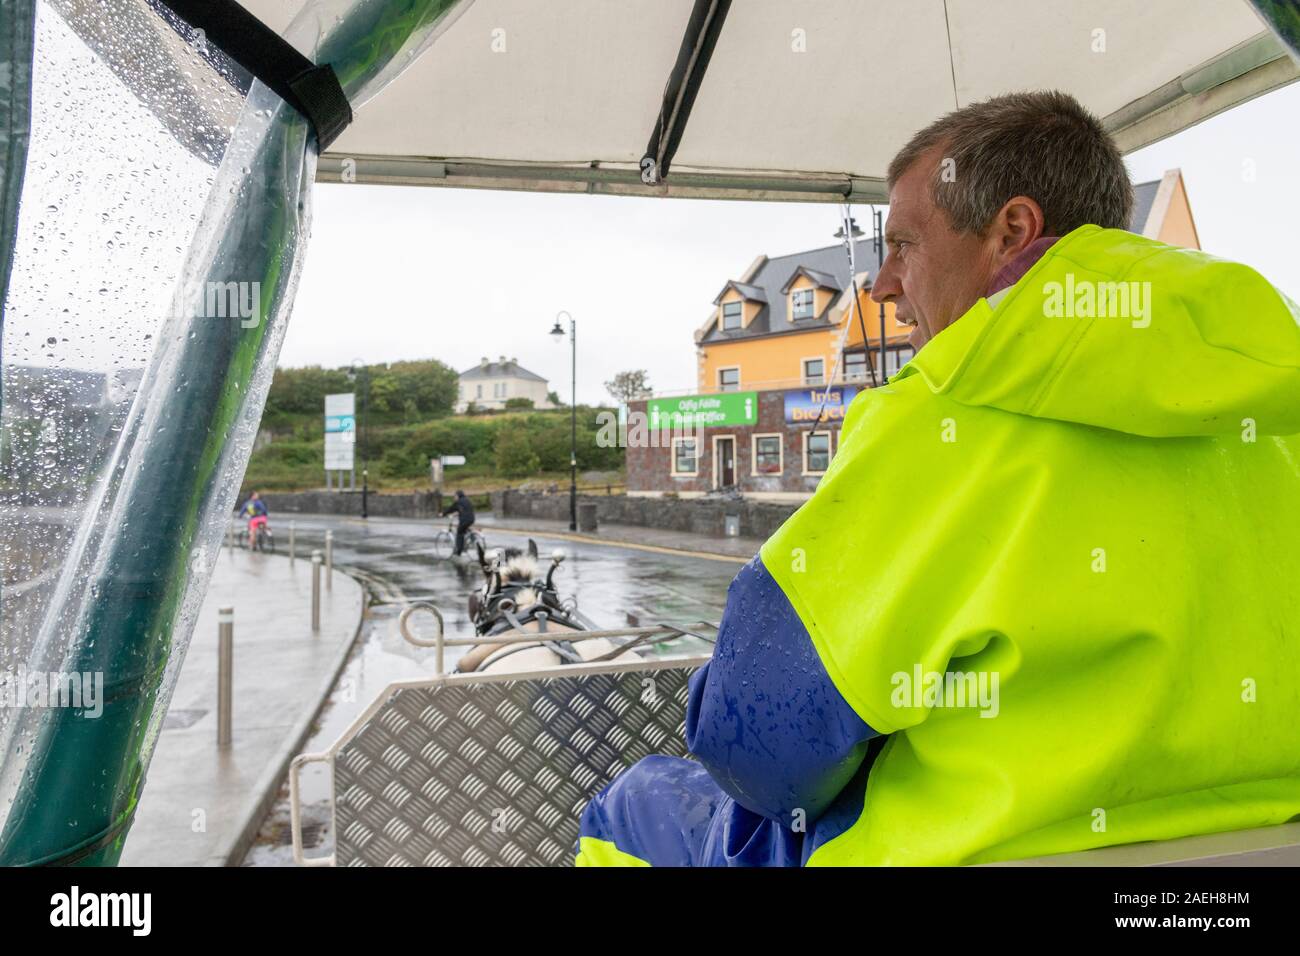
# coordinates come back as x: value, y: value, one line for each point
x: 516, y: 636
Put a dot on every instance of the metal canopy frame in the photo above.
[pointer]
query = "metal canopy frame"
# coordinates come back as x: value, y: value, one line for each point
x: 702, y: 31
x: 1251, y: 69
x: 1255, y: 66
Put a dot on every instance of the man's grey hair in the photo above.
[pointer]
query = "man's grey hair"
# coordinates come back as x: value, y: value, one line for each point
x: 1043, y: 145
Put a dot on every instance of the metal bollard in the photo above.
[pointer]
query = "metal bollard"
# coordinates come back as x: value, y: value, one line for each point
x: 291, y: 543
x: 329, y: 560
x: 230, y: 537
x: 225, y: 673
x: 315, y: 592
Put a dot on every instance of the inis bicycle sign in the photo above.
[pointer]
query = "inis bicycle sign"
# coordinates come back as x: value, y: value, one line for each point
x: 802, y: 404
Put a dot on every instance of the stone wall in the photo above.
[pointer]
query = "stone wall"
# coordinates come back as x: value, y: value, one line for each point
x: 707, y: 516
x: 411, y: 504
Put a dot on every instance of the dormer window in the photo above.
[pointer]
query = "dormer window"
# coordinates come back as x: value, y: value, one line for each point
x: 801, y: 304
x: 732, y: 317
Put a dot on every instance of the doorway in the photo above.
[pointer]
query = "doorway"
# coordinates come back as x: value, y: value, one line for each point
x: 724, y: 462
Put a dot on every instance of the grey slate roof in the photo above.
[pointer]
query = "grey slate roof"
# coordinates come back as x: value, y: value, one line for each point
x: 829, y: 262
x: 820, y: 278
x: 510, y: 369
x: 1144, y: 195
x: 751, y: 292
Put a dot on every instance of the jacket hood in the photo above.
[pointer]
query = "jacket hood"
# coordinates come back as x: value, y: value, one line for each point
x: 1117, y: 331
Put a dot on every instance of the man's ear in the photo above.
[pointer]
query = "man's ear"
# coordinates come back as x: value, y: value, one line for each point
x: 1017, y: 225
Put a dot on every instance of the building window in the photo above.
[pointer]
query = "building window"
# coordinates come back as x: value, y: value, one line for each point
x: 731, y: 316
x: 479, y: 392
x: 816, y: 452
x: 855, y: 366
x: 801, y: 304
x: 897, y: 358
x: 768, y: 455
x: 814, y: 371
x: 729, y: 379
x: 686, y: 456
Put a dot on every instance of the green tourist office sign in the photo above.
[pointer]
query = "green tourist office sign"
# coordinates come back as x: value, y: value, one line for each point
x: 703, y: 411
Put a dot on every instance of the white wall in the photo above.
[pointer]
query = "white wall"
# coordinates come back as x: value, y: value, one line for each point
x: 514, y: 388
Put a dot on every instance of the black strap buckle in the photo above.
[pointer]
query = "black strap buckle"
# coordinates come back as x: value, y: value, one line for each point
x: 313, y: 90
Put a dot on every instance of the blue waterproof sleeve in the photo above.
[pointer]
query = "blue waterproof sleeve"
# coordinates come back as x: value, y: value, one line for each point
x: 763, y: 715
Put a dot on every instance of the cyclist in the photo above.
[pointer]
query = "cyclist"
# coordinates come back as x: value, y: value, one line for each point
x: 464, y: 521
x: 254, y: 510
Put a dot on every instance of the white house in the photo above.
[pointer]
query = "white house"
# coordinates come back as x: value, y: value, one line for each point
x: 491, y: 384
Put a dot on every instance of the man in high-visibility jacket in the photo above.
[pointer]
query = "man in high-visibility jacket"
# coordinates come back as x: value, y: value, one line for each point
x: 1082, y: 628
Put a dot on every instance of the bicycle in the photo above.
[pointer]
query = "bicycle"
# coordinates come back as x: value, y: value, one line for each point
x: 265, y: 540
x: 444, y: 542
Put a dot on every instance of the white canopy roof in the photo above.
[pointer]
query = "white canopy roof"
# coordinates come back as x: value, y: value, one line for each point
x: 802, y: 99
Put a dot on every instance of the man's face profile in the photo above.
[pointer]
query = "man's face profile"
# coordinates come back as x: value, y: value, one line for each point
x: 932, y: 273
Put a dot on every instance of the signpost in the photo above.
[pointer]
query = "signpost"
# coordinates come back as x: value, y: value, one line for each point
x: 703, y: 411
x: 436, y: 465
x: 340, y: 436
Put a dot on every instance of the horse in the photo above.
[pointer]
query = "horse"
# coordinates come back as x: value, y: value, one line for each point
x: 516, y: 599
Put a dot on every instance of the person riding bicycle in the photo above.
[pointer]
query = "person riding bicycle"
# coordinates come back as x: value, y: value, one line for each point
x: 464, y: 521
x: 255, y: 511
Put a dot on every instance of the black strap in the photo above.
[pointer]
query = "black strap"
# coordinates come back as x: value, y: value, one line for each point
x: 314, y: 91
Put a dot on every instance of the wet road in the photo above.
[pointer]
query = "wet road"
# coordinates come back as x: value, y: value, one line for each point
x: 397, y: 561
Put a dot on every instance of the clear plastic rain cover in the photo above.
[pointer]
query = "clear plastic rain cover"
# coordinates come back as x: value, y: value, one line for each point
x: 162, y: 227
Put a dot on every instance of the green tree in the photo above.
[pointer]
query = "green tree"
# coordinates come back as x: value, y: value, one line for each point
x: 630, y: 385
x: 383, y: 395
x: 302, y: 391
x: 515, y: 457
x: 425, y: 385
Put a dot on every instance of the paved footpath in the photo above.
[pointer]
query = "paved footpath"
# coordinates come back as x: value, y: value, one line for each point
x: 202, y: 804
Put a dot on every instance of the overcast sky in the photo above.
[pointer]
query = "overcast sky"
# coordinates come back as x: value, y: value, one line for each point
x: 407, y: 272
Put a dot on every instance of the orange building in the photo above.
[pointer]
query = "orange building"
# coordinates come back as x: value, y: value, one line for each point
x: 779, y: 325
x: 777, y: 335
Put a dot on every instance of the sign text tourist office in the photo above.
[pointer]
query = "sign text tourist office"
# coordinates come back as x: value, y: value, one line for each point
x: 763, y: 444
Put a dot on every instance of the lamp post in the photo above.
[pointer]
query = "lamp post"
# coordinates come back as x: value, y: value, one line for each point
x: 878, y: 240
x: 558, y: 333
x: 355, y: 373
x: 849, y: 234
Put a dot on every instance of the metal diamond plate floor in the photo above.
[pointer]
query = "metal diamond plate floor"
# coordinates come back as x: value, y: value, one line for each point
x: 497, y: 773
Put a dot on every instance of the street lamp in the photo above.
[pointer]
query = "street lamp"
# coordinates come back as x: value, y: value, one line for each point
x: 558, y: 337
x: 878, y: 240
x: 355, y: 373
x: 849, y: 238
